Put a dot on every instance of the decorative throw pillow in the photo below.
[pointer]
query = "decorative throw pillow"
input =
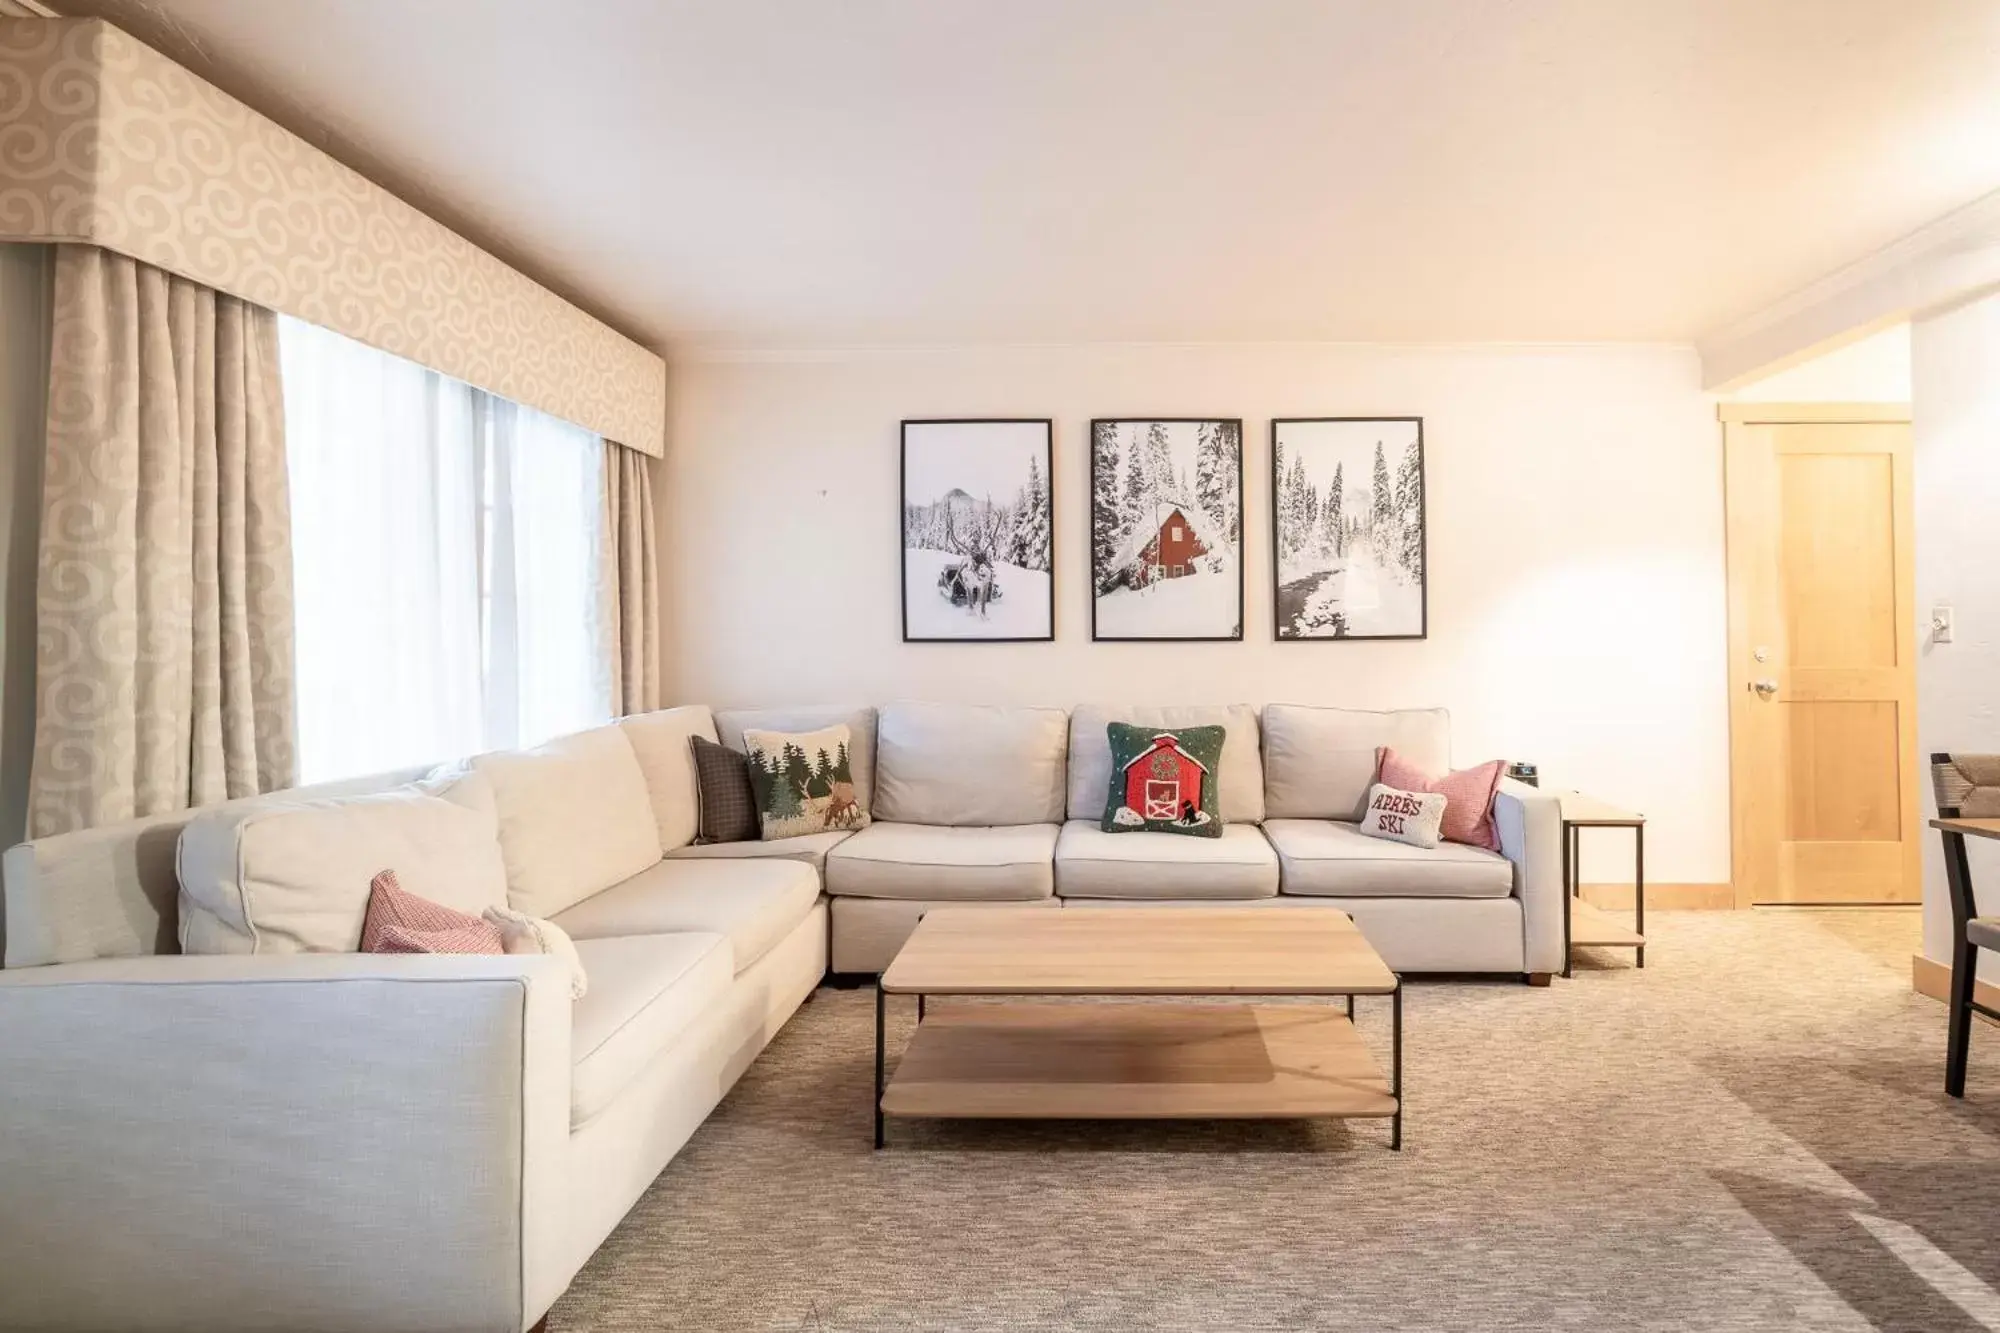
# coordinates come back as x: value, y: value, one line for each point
x: 521, y: 933
x: 1403, y: 816
x: 803, y: 782
x: 726, y: 804
x: 1164, y: 780
x: 1468, y: 793
x: 398, y: 921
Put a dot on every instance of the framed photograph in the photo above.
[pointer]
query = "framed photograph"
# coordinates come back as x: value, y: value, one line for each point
x: 978, y: 526
x: 1347, y: 528
x: 1166, y: 529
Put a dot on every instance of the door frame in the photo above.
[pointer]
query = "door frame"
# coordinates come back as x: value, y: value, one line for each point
x: 1750, y: 864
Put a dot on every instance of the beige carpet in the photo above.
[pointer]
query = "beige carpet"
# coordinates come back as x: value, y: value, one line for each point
x: 1750, y: 1134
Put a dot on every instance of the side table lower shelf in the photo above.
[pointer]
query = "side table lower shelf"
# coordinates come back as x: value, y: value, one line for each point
x: 1584, y: 924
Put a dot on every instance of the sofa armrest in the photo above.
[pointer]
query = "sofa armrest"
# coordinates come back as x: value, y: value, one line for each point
x: 1530, y: 824
x: 307, y: 1141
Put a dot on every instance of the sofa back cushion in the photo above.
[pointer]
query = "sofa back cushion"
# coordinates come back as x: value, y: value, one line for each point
x: 575, y: 818
x: 293, y: 877
x: 968, y: 765
x: 731, y: 723
x: 1242, y: 776
x: 1320, y: 762
x: 660, y: 740
x: 111, y: 891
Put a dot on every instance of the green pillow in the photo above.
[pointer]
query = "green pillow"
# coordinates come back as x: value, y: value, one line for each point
x: 1164, y: 780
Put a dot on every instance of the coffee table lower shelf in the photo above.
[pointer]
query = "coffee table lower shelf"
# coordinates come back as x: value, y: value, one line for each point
x: 1116, y: 1060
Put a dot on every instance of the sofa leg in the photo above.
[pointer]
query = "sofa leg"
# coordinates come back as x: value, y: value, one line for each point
x: 1537, y: 978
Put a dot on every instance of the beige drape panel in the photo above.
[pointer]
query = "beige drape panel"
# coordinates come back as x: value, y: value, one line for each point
x: 631, y: 581
x: 164, y: 655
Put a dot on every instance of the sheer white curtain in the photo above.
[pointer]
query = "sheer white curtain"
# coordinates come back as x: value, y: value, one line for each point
x: 547, y: 672
x: 445, y: 546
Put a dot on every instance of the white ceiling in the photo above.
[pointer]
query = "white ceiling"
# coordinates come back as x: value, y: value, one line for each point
x: 792, y: 172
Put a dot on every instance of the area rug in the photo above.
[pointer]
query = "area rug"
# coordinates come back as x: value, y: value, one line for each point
x: 1751, y: 1133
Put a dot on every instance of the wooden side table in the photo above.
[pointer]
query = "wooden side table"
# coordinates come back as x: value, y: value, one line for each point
x: 1584, y: 924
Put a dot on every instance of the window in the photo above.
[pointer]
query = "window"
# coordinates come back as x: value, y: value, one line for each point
x: 445, y: 549
x: 1174, y: 532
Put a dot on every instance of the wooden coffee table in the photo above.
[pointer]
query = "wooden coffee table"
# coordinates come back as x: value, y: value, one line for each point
x: 1051, y: 1058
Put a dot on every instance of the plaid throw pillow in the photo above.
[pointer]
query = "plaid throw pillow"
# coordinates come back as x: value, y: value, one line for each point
x: 727, y: 807
x: 398, y: 921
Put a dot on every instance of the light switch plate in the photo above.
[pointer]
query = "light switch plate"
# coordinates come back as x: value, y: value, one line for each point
x: 1941, y: 624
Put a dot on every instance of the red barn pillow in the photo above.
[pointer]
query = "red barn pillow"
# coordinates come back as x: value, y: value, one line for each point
x: 1164, y: 780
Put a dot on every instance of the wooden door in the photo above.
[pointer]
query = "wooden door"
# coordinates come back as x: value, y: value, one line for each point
x: 1822, y: 654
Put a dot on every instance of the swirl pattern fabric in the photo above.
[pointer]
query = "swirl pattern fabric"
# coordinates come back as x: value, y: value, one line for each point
x: 103, y: 139
x: 164, y: 668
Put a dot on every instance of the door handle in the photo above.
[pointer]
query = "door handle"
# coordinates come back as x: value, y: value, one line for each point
x: 1765, y: 688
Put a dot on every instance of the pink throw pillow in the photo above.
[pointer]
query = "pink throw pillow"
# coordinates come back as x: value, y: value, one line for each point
x: 398, y: 921
x: 1468, y: 795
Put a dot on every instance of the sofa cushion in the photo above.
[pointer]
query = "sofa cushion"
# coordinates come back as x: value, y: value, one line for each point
x: 1091, y: 863
x: 731, y: 723
x: 1320, y: 762
x: 645, y: 991
x: 113, y: 891
x: 660, y: 742
x: 930, y: 861
x: 970, y: 765
x: 272, y: 877
x: 752, y: 904
x: 811, y: 849
x: 1322, y: 858
x: 1242, y: 775
x: 575, y: 818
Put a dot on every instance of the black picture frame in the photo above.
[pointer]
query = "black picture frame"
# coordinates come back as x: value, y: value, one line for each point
x: 903, y: 519
x: 1278, y: 586
x: 1097, y: 573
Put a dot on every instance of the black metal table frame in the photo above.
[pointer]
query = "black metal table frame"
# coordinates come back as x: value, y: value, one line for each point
x: 1572, y: 830
x: 1395, y: 1050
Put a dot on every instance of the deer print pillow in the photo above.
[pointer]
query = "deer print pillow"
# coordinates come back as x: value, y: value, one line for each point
x: 1164, y: 780
x: 802, y: 782
x: 1414, y: 817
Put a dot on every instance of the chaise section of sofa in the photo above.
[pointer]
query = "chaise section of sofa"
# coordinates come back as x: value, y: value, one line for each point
x: 291, y: 1134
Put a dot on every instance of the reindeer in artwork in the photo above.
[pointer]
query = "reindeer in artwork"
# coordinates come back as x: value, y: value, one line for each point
x: 842, y: 809
x: 972, y: 582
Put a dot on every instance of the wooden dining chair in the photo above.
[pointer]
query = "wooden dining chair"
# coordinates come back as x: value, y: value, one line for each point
x: 1968, y: 787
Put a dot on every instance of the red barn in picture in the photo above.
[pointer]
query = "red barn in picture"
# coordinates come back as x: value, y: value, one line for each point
x: 1163, y: 781
x: 1167, y: 551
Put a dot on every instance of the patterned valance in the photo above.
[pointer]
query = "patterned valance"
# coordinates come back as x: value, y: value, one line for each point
x: 105, y: 141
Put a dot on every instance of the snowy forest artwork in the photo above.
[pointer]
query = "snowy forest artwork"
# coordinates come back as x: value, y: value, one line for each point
x: 1348, y: 528
x: 977, y: 526
x: 1166, y: 529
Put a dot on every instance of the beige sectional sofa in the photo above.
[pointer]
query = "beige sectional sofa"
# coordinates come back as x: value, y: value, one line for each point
x: 1011, y: 803
x: 280, y: 1133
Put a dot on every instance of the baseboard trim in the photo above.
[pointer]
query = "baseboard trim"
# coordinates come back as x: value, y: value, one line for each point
x: 1670, y: 897
x: 1932, y: 978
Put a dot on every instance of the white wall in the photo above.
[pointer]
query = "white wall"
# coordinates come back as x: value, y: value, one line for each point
x: 1874, y: 369
x: 24, y: 359
x: 1576, y: 556
x: 1956, y: 362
